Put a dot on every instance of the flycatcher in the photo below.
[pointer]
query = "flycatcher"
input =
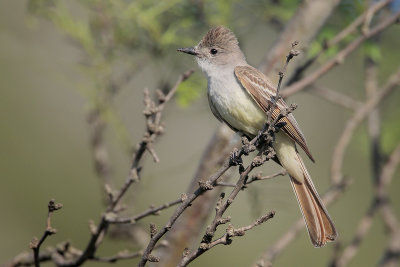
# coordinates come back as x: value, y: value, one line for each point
x: 240, y: 95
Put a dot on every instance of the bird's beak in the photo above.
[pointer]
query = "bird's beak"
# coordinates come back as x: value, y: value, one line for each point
x: 189, y: 50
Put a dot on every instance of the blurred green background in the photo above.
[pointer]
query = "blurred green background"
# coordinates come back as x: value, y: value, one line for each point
x: 54, y: 68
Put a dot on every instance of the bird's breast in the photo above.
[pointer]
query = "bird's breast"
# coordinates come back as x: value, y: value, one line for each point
x: 234, y: 105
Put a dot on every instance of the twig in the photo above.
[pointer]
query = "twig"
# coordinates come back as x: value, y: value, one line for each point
x: 354, y: 121
x: 365, y: 223
x: 289, y: 57
x: 362, y: 230
x: 340, y: 36
x: 389, y: 217
x: 257, y: 177
x: 27, y: 259
x: 123, y: 255
x: 339, y: 58
x: 379, y: 202
x: 265, y: 153
x: 234, y: 159
x: 328, y: 198
x: 391, y: 254
x: 226, y: 239
x: 184, y: 205
x: 99, y: 151
x: 150, y: 211
x: 306, y: 22
x: 335, y: 97
x: 35, y: 243
x: 154, y: 129
x: 187, y: 229
x: 374, y: 123
x: 207, y: 242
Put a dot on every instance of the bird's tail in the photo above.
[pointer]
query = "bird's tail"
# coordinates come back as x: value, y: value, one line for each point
x: 319, y: 225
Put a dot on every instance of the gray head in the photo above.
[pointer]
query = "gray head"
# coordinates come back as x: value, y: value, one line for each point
x: 218, y: 49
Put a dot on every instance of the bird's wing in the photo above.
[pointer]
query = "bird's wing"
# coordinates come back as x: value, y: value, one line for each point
x: 261, y: 90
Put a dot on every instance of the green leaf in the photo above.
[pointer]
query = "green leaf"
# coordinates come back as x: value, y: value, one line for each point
x: 190, y: 90
x: 372, y: 50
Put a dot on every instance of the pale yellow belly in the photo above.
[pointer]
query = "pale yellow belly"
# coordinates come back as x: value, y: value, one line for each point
x: 239, y: 110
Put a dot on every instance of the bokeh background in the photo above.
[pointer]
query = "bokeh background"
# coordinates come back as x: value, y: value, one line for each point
x: 54, y: 67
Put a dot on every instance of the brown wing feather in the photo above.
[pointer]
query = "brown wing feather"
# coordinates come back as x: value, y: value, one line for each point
x: 261, y: 90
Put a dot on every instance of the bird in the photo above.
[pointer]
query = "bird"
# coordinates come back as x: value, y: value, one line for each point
x: 240, y: 96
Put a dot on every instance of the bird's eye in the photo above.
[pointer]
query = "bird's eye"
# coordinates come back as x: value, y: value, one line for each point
x: 213, y: 51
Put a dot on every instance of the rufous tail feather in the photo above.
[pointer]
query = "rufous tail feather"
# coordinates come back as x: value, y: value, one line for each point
x: 319, y: 225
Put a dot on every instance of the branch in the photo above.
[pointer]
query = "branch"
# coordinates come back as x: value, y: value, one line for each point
x: 184, y: 205
x: 123, y: 255
x: 335, y: 97
x: 154, y: 128
x: 226, y: 239
x: 339, y: 58
x: 307, y: 21
x: 379, y: 202
x: 289, y: 57
x: 148, y: 212
x: 263, y: 142
x: 340, y: 37
x: 259, y: 177
x: 207, y: 242
x: 361, y: 232
x: 191, y: 222
x: 254, y: 178
x: 280, y: 245
x: 354, y: 121
x: 27, y: 258
x: 366, y: 221
x: 391, y: 255
x: 35, y: 243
